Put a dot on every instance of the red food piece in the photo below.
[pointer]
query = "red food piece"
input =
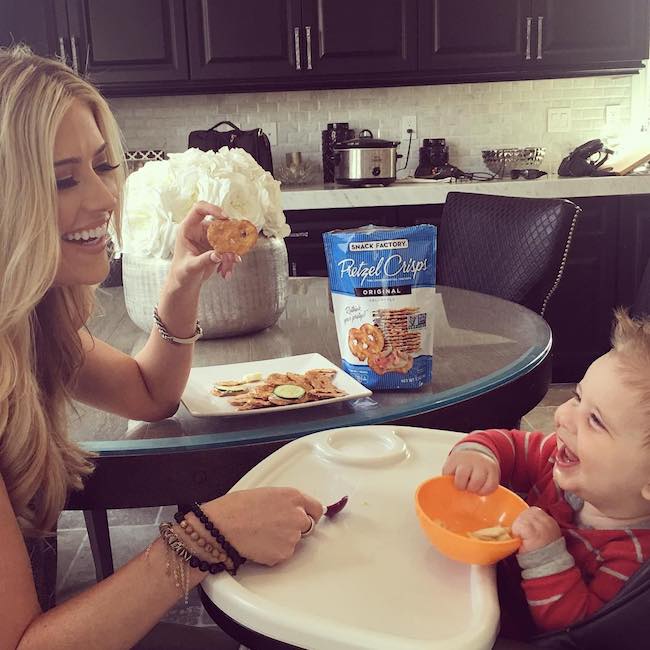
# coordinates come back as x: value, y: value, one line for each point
x: 335, y: 508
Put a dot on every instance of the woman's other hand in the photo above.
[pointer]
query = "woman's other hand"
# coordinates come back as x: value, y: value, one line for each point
x: 264, y: 524
x: 473, y: 471
x: 194, y: 259
x: 536, y: 529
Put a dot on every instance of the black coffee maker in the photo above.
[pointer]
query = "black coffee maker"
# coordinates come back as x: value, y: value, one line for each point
x: 335, y: 133
x: 434, y: 155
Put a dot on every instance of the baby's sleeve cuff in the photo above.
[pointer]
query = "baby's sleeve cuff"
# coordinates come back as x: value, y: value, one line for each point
x: 548, y: 560
x: 475, y: 446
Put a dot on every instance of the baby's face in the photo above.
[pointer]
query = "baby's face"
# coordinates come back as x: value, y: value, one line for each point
x: 602, y: 453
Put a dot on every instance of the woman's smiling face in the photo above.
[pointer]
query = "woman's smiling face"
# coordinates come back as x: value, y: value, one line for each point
x: 87, y: 195
x: 602, y: 454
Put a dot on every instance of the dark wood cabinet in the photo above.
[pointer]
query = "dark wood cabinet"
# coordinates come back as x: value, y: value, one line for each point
x: 531, y: 38
x: 414, y: 215
x: 305, y: 243
x: 243, y: 40
x: 41, y: 24
x: 360, y: 37
x: 198, y: 46
x: 112, y: 43
x: 633, y: 246
x: 128, y: 42
x: 300, y: 39
x: 472, y: 35
x: 582, y: 32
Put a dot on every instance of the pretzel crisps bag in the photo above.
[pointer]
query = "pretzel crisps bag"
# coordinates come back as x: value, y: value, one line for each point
x: 383, y: 283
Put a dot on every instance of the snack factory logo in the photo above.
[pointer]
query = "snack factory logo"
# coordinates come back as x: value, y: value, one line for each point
x: 377, y: 245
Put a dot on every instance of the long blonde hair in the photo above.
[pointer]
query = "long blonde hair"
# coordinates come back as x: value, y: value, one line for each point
x: 40, y: 348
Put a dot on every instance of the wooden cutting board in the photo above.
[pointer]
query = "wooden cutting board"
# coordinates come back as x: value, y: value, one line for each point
x: 631, y: 158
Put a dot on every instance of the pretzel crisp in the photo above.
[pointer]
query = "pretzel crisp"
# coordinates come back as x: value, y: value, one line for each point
x: 365, y: 340
x: 230, y: 236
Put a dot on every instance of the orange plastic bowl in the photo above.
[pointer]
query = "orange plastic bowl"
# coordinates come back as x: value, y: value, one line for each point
x: 447, y: 514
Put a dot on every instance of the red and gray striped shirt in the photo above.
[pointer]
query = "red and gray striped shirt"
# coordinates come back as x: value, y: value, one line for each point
x: 574, y: 576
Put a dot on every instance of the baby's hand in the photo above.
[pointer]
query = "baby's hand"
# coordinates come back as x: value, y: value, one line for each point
x: 473, y: 471
x: 536, y: 529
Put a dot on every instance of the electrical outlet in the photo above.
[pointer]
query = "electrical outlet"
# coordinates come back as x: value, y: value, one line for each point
x: 409, y: 122
x: 612, y: 114
x: 271, y: 130
x: 559, y: 120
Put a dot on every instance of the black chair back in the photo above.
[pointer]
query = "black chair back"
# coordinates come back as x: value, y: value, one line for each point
x: 621, y: 624
x: 510, y: 247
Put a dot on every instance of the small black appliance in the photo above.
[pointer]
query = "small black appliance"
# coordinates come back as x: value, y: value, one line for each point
x: 434, y: 155
x: 434, y: 161
x: 335, y: 133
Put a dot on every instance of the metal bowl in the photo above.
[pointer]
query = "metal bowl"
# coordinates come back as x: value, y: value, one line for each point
x: 502, y: 161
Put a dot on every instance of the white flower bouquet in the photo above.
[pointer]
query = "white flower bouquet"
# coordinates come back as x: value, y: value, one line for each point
x: 157, y: 198
x: 161, y: 193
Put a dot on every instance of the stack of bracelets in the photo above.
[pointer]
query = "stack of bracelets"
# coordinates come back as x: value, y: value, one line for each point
x: 226, y: 556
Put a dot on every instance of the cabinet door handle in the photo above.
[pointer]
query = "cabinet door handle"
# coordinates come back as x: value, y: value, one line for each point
x: 296, y: 45
x: 75, y: 58
x: 308, y: 35
x: 300, y: 233
x: 62, y: 54
x: 540, y: 31
x: 294, y: 269
x: 529, y: 25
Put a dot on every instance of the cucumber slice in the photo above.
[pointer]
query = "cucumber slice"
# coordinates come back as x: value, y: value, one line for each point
x: 230, y: 389
x: 253, y: 376
x: 289, y: 391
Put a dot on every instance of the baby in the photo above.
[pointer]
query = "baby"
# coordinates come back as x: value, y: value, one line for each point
x: 588, y: 484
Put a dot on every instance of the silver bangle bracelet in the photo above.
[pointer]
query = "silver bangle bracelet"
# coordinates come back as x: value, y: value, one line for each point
x: 198, y: 332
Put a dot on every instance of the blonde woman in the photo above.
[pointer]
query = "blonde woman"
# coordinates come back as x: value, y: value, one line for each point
x: 61, y: 176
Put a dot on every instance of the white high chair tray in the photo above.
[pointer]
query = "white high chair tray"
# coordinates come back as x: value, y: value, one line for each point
x: 368, y: 578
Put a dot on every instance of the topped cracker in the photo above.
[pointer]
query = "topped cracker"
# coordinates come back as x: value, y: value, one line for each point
x: 232, y: 236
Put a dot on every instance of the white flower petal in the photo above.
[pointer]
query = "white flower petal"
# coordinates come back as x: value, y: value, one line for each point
x: 160, y: 194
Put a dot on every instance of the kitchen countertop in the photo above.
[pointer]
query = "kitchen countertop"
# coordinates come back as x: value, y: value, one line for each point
x: 421, y: 192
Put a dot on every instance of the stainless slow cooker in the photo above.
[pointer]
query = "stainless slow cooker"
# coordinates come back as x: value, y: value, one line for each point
x: 365, y: 160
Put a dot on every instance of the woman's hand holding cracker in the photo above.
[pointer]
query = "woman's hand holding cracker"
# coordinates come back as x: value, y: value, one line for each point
x: 194, y: 259
x: 225, y: 263
x: 472, y: 471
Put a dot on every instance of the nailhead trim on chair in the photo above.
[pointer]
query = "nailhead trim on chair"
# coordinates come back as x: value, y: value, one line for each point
x: 563, y: 262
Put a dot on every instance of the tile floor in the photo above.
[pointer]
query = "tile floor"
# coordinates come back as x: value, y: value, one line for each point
x: 132, y: 530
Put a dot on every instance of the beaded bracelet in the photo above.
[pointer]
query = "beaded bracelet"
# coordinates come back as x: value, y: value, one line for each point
x: 214, y: 549
x: 176, y: 545
x: 231, y: 552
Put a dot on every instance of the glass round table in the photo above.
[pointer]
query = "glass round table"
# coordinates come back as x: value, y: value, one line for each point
x: 491, y: 365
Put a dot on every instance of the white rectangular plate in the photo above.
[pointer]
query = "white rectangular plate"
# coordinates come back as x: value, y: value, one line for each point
x: 201, y: 403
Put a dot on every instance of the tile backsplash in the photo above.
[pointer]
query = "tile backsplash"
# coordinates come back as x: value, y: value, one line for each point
x: 471, y: 116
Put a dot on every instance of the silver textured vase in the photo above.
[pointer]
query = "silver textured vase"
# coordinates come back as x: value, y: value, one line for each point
x: 252, y: 298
